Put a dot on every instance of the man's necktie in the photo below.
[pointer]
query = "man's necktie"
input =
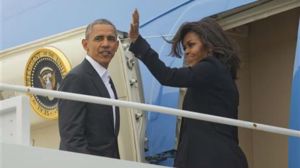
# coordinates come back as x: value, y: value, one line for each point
x: 117, y: 111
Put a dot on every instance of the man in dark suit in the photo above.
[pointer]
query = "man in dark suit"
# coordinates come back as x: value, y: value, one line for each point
x: 86, y: 127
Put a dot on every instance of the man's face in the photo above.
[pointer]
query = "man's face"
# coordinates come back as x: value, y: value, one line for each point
x: 101, y: 43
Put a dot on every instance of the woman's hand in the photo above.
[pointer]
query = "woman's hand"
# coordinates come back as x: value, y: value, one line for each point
x: 134, y: 26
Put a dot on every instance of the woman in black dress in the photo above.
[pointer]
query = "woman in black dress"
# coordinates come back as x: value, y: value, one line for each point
x: 212, y: 64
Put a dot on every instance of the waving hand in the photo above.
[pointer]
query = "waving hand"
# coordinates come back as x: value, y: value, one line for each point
x: 134, y: 26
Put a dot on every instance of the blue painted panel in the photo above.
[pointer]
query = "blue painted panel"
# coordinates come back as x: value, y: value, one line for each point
x: 1, y: 25
x: 25, y: 21
x: 294, y: 143
x: 17, y: 8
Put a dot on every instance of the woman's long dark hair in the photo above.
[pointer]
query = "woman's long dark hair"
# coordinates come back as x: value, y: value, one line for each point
x: 214, y: 40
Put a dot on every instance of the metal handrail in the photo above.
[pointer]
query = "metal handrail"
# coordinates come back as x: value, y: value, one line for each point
x: 147, y: 107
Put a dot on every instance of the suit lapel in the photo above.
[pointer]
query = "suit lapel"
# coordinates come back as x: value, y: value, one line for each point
x: 103, y: 92
x: 96, y: 79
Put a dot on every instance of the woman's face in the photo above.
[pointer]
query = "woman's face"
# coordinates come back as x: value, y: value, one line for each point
x: 194, y: 50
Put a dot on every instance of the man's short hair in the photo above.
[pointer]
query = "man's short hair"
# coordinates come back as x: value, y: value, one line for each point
x: 98, y: 21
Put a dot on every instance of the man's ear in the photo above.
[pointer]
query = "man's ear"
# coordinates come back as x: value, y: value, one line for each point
x: 118, y: 42
x: 84, y: 43
x: 117, y: 45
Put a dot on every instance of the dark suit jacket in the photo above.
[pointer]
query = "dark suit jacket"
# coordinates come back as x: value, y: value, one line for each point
x: 86, y: 127
x: 210, y: 90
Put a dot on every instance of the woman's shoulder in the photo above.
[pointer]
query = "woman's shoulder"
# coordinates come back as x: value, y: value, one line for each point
x: 209, y: 62
x: 206, y: 67
x: 213, y: 61
x: 210, y: 65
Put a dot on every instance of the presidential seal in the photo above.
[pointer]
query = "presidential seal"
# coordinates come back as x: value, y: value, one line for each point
x: 45, y: 69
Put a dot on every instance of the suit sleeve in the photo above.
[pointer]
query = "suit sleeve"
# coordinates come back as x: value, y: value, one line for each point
x: 200, y: 74
x: 72, y: 117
